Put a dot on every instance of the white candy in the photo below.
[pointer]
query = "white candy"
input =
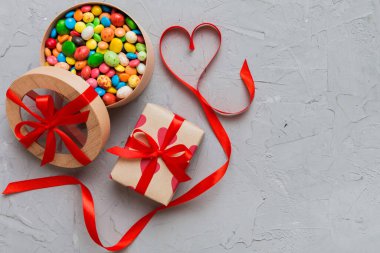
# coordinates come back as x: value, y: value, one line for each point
x: 131, y: 37
x: 141, y: 56
x: 87, y: 33
x: 124, y: 92
x: 141, y: 68
x: 123, y: 59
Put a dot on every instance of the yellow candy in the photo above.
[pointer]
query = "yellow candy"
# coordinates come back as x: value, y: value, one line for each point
x: 96, y: 10
x: 98, y: 29
x: 79, y: 26
x: 46, y: 64
x: 133, y: 81
x: 119, y: 68
x: 112, y: 90
x: 70, y: 60
x: 102, y: 51
x: 130, y: 48
x: 88, y: 17
x: 116, y: 45
x: 74, y: 71
x: 91, y: 44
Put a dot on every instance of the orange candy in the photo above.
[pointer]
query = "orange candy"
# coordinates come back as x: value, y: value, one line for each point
x: 80, y: 65
x: 131, y: 71
x: 126, y: 28
x: 63, y: 38
x: 78, y: 15
x: 107, y: 34
x: 124, y: 77
x: 104, y: 14
x: 47, y: 52
x: 103, y: 45
x: 55, y: 52
x: 119, y: 32
x: 59, y: 47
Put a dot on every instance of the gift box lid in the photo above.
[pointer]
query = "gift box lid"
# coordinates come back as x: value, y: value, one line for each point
x: 70, y: 87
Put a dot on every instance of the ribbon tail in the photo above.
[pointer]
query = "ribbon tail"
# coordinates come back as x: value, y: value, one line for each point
x: 147, y: 176
x: 77, y: 153
x: 50, y: 148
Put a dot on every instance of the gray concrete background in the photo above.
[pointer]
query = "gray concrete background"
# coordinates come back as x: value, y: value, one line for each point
x: 305, y: 171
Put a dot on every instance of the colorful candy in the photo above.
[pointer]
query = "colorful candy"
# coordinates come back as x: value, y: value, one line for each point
x: 103, y: 46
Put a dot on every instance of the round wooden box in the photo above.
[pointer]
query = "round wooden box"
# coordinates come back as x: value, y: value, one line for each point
x: 149, y: 50
x: 69, y: 86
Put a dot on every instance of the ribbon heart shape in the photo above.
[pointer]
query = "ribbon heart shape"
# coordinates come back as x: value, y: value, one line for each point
x: 196, y: 191
x: 51, y: 120
x: 176, y: 158
x: 244, y: 72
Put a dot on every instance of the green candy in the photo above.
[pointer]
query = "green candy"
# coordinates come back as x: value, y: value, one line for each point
x: 96, y: 21
x: 123, y: 39
x: 111, y: 58
x: 97, y: 37
x: 61, y: 27
x: 95, y: 60
x: 68, y: 48
x: 90, y: 24
x: 130, y: 23
x: 140, y: 47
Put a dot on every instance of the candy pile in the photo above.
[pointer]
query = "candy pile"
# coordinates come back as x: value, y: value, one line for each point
x: 103, y: 46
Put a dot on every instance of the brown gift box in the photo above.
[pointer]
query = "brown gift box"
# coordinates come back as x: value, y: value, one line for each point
x: 155, y: 120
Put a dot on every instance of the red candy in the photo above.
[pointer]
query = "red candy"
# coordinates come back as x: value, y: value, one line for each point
x: 109, y: 98
x: 86, y: 72
x: 140, y: 39
x: 74, y: 33
x: 51, y: 43
x: 86, y: 8
x: 117, y: 19
x: 81, y: 53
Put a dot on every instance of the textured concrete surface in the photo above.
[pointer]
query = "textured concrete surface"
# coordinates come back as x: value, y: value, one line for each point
x: 305, y: 171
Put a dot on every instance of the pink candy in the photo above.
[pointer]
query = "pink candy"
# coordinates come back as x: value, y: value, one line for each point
x: 95, y: 73
x: 92, y: 82
x: 111, y: 73
x: 134, y: 63
x: 104, y: 68
x: 52, y: 60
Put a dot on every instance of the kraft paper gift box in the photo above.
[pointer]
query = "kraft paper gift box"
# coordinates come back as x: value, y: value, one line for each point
x: 155, y: 121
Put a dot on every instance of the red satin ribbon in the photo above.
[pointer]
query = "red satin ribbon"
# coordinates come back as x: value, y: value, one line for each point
x: 197, y: 190
x: 50, y: 120
x: 176, y: 158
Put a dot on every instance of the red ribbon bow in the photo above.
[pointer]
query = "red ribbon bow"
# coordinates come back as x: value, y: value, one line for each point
x: 176, y: 158
x: 50, y: 120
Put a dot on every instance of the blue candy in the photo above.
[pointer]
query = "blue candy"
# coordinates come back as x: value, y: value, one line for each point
x: 91, y: 52
x: 70, y: 23
x: 119, y: 85
x: 131, y: 56
x: 53, y: 33
x: 105, y: 8
x: 100, y: 91
x: 137, y: 32
x: 115, y: 80
x: 61, y: 57
x: 70, y: 14
x: 105, y: 21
